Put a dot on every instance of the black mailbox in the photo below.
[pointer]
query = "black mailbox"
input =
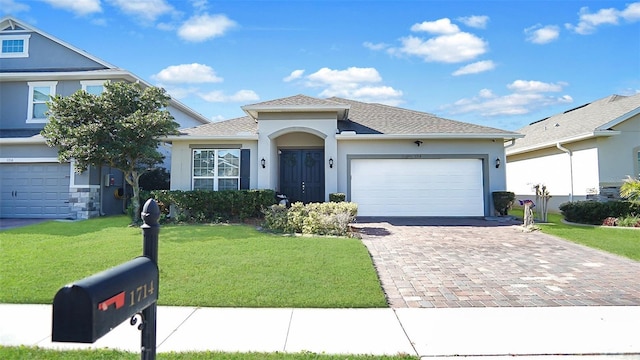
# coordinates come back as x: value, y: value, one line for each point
x: 88, y: 309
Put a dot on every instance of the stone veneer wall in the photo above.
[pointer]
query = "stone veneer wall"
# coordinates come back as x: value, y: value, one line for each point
x: 84, y: 202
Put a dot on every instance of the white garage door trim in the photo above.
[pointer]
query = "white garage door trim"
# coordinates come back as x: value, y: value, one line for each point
x: 418, y: 187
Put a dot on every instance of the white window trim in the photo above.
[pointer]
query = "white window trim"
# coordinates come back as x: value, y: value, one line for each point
x: 86, y: 83
x: 52, y: 92
x: 215, y: 177
x: 25, y: 48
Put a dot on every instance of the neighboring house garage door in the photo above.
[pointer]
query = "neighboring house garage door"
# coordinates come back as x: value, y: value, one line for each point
x: 34, y: 190
x: 417, y: 187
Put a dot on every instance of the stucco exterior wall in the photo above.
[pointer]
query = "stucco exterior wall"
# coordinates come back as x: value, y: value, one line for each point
x: 618, y: 154
x: 553, y: 168
x: 295, y: 130
x: 181, y: 162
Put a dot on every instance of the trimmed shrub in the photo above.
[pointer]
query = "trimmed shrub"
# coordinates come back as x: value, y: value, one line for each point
x: 214, y: 206
x: 593, y: 212
x: 502, y: 201
x: 337, y: 197
x: 330, y: 218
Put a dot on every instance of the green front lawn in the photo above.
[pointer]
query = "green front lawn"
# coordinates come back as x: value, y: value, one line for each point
x: 621, y: 241
x: 11, y: 353
x: 200, y: 265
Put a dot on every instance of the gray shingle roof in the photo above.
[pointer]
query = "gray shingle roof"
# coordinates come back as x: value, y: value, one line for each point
x: 368, y: 118
x: 231, y: 127
x: 298, y: 100
x: 364, y: 118
x: 582, y: 120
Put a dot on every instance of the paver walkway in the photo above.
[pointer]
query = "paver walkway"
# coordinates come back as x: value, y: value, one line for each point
x: 438, y: 263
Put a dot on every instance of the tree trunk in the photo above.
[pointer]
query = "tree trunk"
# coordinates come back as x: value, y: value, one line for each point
x: 133, y: 178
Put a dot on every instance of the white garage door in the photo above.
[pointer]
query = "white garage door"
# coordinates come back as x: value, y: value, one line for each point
x: 37, y: 190
x: 417, y: 187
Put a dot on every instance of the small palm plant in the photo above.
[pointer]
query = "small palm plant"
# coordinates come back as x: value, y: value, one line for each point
x: 630, y: 189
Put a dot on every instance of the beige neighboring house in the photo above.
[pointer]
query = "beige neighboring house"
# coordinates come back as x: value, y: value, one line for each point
x: 582, y: 153
x: 390, y: 161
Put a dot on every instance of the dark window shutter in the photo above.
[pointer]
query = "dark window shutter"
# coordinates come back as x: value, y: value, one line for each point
x: 245, y: 168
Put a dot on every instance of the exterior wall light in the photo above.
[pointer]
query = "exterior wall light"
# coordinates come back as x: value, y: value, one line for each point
x: 497, y: 163
x: 331, y: 163
x: 263, y: 162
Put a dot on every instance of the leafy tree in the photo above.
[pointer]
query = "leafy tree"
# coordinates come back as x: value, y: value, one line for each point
x: 121, y: 127
x: 630, y: 189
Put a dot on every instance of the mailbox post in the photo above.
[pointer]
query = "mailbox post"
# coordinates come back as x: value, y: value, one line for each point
x: 88, y: 309
x: 150, y: 230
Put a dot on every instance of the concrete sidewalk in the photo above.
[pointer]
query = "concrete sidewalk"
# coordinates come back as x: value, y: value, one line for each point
x: 601, y: 332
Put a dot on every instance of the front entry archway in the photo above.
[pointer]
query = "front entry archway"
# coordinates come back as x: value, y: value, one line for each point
x: 302, y: 174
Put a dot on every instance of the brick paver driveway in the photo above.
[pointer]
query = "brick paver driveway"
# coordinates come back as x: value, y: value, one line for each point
x: 426, y: 262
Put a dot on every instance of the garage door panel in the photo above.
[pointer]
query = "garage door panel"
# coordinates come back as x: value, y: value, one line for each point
x: 35, y: 190
x: 417, y: 187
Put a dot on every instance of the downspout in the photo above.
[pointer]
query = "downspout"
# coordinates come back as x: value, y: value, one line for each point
x: 561, y: 148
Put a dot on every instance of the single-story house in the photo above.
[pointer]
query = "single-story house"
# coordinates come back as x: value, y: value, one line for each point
x: 33, y: 67
x: 583, y: 153
x: 390, y: 161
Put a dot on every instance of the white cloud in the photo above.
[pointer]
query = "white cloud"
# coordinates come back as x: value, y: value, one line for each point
x: 475, y: 68
x: 375, y: 47
x: 295, y: 74
x: 440, y: 26
x: 349, y: 77
x: 79, y: 7
x: 203, y: 27
x: 532, y: 86
x: 452, y: 48
x: 632, y: 12
x: 12, y: 7
x: 187, y: 73
x: 539, y: 34
x: 362, y: 84
x: 526, y: 97
x: 220, y: 96
x: 589, y: 22
x: 475, y: 21
x: 199, y: 5
x: 148, y: 10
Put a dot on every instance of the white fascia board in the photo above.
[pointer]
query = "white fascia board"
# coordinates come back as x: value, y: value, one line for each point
x: 70, y: 75
x: 37, y: 139
x: 212, y: 137
x: 253, y: 110
x: 349, y: 136
x: 619, y: 119
x: 553, y: 143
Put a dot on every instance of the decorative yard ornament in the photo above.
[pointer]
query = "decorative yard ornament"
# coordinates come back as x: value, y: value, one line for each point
x: 528, y: 212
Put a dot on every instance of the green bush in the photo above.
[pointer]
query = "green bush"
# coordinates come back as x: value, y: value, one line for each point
x: 337, y: 197
x: 502, y: 201
x: 593, y: 212
x: 214, y: 206
x: 332, y: 218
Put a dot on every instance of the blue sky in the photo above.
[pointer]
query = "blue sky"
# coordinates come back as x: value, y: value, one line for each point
x: 496, y: 63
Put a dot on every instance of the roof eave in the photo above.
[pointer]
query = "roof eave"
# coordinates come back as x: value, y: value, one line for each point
x: 619, y: 119
x: 553, y: 143
x: 185, y: 137
x: 345, y: 135
x: 254, y: 110
x: 37, y: 139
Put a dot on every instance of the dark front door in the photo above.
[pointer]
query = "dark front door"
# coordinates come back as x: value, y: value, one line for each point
x: 302, y: 175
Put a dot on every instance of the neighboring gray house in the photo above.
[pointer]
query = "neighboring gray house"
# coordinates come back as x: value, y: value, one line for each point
x: 33, y: 184
x: 582, y: 153
x: 388, y: 160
